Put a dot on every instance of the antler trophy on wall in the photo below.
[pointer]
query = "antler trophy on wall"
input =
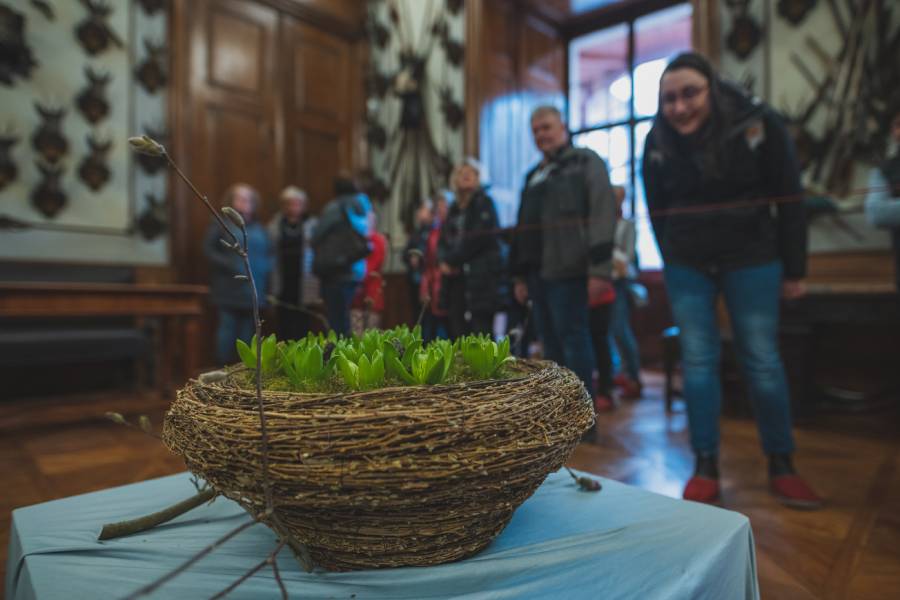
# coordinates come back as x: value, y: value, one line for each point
x: 94, y: 33
x: 8, y: 169
x: 93, y: 170
x: 48, y: 197
x: 16, y: 59
x: 92, y: 100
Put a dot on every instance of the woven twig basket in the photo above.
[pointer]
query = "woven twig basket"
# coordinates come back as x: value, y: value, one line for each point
x: 392, y: 477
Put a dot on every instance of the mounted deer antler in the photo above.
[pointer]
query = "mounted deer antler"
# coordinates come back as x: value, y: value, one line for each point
x: 152, y: 221
x: 92, y: 100
x: 8, y: 169
x: 48, y: 197
x: 93, y: 170
x: 16, y: 59
x: 151, y: 73
x: 94, y: 33
x: 48, y: 140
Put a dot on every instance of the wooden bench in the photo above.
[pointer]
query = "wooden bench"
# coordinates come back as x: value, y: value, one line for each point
x: 178, y: 307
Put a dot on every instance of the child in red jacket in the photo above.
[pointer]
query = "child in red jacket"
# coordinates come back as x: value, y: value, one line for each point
x: 368, y: 304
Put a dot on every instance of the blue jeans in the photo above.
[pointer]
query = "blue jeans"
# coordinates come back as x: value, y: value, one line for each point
x: 752, y: 298
x: 561, y: 319
x: 621, y: 336
x: 234, y: 324
x: 337, y: 296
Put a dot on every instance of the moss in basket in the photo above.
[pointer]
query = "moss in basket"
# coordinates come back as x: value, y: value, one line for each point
x: 322, y: 363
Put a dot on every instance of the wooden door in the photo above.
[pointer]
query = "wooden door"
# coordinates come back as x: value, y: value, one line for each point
x: 318, y: 108
x: 233, y: 95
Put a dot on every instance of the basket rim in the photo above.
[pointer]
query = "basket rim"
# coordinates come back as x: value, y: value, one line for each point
x: 533, y: 367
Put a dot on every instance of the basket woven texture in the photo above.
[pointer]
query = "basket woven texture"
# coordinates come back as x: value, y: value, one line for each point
x: 392, y: 477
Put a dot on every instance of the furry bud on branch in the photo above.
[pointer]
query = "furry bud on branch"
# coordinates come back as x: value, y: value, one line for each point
x: 146, y: 145
x: 234, y: 216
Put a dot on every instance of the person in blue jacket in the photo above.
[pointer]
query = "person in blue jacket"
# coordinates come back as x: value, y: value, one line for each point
x: 232, y: 297
x: 339, y: 283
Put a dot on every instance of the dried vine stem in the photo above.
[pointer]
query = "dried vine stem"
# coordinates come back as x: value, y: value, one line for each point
x: 122, y: 528
x: 271, y: 559
x: 147, y: 145
x: 153, y: 586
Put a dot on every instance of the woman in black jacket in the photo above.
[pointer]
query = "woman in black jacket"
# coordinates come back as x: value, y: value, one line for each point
x: 724, y: 194
x: 469, y: 252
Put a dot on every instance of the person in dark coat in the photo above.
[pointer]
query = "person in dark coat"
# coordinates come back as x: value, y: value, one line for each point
x: 725, y: 199
x: 469, y: 253
x: 290, y: 231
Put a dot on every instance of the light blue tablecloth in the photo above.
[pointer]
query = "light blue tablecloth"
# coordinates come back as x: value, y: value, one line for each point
x: 622, y: 542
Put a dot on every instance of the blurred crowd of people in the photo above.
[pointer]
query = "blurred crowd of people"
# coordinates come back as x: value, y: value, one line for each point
x: 565, y: 275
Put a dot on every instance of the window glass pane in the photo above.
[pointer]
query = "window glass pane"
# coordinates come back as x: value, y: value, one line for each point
x: 647, y: 250
x: 614, y: 147
x: 507, y: 148
x: 600, y: 78
x: 658, y: 37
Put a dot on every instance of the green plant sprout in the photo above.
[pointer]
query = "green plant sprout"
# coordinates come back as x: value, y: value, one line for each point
x: 363, y: 374
x: 304, y: 363
x: 483, y: 355
x: 268, y: 356
x: 374, y: 359
x: 420, y: 366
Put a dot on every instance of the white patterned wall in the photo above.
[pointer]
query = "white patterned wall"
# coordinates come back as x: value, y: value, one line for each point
x: 94, y: 226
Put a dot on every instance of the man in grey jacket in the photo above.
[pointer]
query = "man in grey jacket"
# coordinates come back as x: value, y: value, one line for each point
x: 561, y: 253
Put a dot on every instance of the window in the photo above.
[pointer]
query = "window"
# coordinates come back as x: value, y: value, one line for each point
x: 614, y: 89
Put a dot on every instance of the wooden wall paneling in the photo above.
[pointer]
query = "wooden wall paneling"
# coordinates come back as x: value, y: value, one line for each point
x: 318, y: 117
x: 343, y: 17
x: 542, y: 57
x: 521, y: 63
x: 851, y: 268
x: 233, y: 93
x: 398, y: 309
x: 226, y: 96
x: 359, y: 62
x: 705, y: 29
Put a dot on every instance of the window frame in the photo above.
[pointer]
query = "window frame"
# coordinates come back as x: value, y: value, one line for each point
x: 614, y: 15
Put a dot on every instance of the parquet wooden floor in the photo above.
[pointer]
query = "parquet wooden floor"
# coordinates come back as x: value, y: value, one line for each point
x: 850, y: 550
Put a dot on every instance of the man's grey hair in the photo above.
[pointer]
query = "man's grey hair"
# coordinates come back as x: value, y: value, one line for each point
x: 292, y: 191
x: 547, y: 109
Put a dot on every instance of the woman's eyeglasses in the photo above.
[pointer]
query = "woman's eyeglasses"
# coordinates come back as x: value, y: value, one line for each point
x: 688, y: 94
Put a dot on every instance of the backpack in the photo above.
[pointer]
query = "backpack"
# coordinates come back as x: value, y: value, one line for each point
x: 336, y: 243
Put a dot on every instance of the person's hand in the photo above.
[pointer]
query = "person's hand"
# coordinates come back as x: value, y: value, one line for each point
x: 520, y: 292
x: 620, y: 268
x: 446, y: 269
x: 791, y: 289
x: 598, y: 286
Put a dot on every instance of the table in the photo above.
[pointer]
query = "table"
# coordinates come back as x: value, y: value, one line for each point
x: 178, y: 306
x: 622, y: 542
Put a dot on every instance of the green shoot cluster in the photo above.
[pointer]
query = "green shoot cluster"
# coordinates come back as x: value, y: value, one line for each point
x: 328, y: 362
